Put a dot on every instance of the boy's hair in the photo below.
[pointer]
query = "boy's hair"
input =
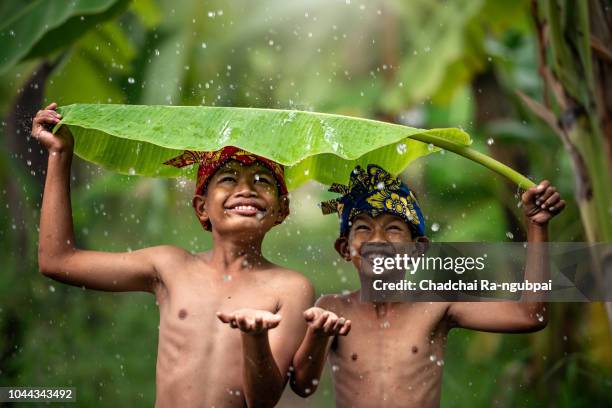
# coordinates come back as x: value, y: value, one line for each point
x: 210, y: 162
x: 373, y: 192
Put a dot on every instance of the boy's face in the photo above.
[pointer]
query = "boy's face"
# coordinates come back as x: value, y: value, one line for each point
x: 241, y: 199
x: 387, y: 228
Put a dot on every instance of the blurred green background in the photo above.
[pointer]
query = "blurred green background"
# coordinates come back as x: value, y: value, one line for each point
x: 481, y: 65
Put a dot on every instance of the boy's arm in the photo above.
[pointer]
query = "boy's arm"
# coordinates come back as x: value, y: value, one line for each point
x: 267, y: 354
x: 540, y: 204
x: 58, y: 256
x: 310, y: 358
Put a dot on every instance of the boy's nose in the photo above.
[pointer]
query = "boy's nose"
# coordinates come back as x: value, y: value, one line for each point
x: 378, y: 236
x: 245, y: 189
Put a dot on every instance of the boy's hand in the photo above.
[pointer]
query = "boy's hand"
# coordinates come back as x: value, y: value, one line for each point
x: 326, y: 323
x: 541, y: 203
x: 251, y: 321
x: 43, y: 121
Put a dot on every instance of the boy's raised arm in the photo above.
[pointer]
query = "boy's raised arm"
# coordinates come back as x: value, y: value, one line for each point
x: 540, y: 204
x: 309, y: 360
x: 58, y: 256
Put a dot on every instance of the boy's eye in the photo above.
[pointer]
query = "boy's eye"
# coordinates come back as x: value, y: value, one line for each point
x: 394, y: 228
x: 262, y: 179
x: 225, y: 179
x: 362, y: 227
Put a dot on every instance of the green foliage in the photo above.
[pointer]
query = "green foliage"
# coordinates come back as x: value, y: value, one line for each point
x: 297, y: 55
x: 42, y: 27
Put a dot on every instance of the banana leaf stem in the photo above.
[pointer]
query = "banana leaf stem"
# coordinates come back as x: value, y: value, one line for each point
x: 480, y: 158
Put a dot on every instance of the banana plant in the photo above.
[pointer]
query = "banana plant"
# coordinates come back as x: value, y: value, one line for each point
x: 138, y: 139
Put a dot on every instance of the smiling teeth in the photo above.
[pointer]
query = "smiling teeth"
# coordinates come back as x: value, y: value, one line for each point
x: 245, y: 207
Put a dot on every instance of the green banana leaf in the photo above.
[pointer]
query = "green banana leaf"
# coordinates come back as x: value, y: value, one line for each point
x: 138, y: 139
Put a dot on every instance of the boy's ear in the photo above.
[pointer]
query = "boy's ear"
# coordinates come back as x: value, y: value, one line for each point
x: 283, y: 209
x: 342, y: 247
x: 199, y: 204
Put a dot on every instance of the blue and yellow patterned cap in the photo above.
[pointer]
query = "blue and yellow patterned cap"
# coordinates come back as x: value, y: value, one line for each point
x: 374, y: 192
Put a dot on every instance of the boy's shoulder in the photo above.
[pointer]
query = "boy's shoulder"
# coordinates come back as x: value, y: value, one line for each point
x: 289, y: 277
x: 168, y: 255
x: 290, y: 282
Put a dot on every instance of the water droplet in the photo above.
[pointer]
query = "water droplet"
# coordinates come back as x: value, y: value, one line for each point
x: 335, y: 368
x: 51, y: 288
x: 227, y: 278
x: 430, y: 147
x: 380, y: 185
x: 131, y: 80
x: 306, y: 172
x: 132, y: 171
x: 432, y: 358
x: 490, y: 141
x: 440, y: 363
x: 204, y: 45
x: 435, y: 227
x: 401, y: 148
x: 156, y: 52
x: 510, y: 235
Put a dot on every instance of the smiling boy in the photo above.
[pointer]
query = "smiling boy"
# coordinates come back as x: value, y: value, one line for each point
x: 394, y: 354
x: 203, y: 296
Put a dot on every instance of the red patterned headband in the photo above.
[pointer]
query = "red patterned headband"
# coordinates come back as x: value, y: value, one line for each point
x: 210, y: 162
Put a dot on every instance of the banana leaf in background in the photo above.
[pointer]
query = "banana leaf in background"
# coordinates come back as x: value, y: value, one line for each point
x: 138, y: 139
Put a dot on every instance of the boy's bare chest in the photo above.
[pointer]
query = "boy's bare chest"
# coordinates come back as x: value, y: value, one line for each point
x: 198, y: 295
x: 403, y: 335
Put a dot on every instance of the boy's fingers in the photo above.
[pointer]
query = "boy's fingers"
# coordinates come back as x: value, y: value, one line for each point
x: 272, y: 323
x: 259, y: 324
x: 320, y: 321
x: 346, y: 328
x: 528, y: 196
x: 542, y: 186
x: 545, y: 196
x: 52, y: 105
x: 242, y: 323
x: 330, y: 323
x: 338, y: 325
x: 224, y: 317
x: 552, y: 200
x: 309, y: 315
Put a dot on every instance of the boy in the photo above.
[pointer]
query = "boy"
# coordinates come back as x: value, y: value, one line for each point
x: 239, y: 197
x: 394, y: 354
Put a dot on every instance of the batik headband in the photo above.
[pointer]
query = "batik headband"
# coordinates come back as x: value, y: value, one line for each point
x: 374, y: 191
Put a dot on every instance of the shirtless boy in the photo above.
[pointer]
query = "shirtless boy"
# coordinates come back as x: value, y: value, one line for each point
x: 203, y: 296
x: 394, y: 353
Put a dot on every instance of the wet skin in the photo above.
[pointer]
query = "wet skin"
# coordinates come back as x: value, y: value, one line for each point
x: 239, y: 356
x: 394, y: 354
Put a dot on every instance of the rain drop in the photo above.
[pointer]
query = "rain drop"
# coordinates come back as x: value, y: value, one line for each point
x: 401, y: 148
x: 435, y: 227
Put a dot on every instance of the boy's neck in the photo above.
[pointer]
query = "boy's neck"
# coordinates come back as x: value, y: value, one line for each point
x: 380, y: 308
x: 236, y: 253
